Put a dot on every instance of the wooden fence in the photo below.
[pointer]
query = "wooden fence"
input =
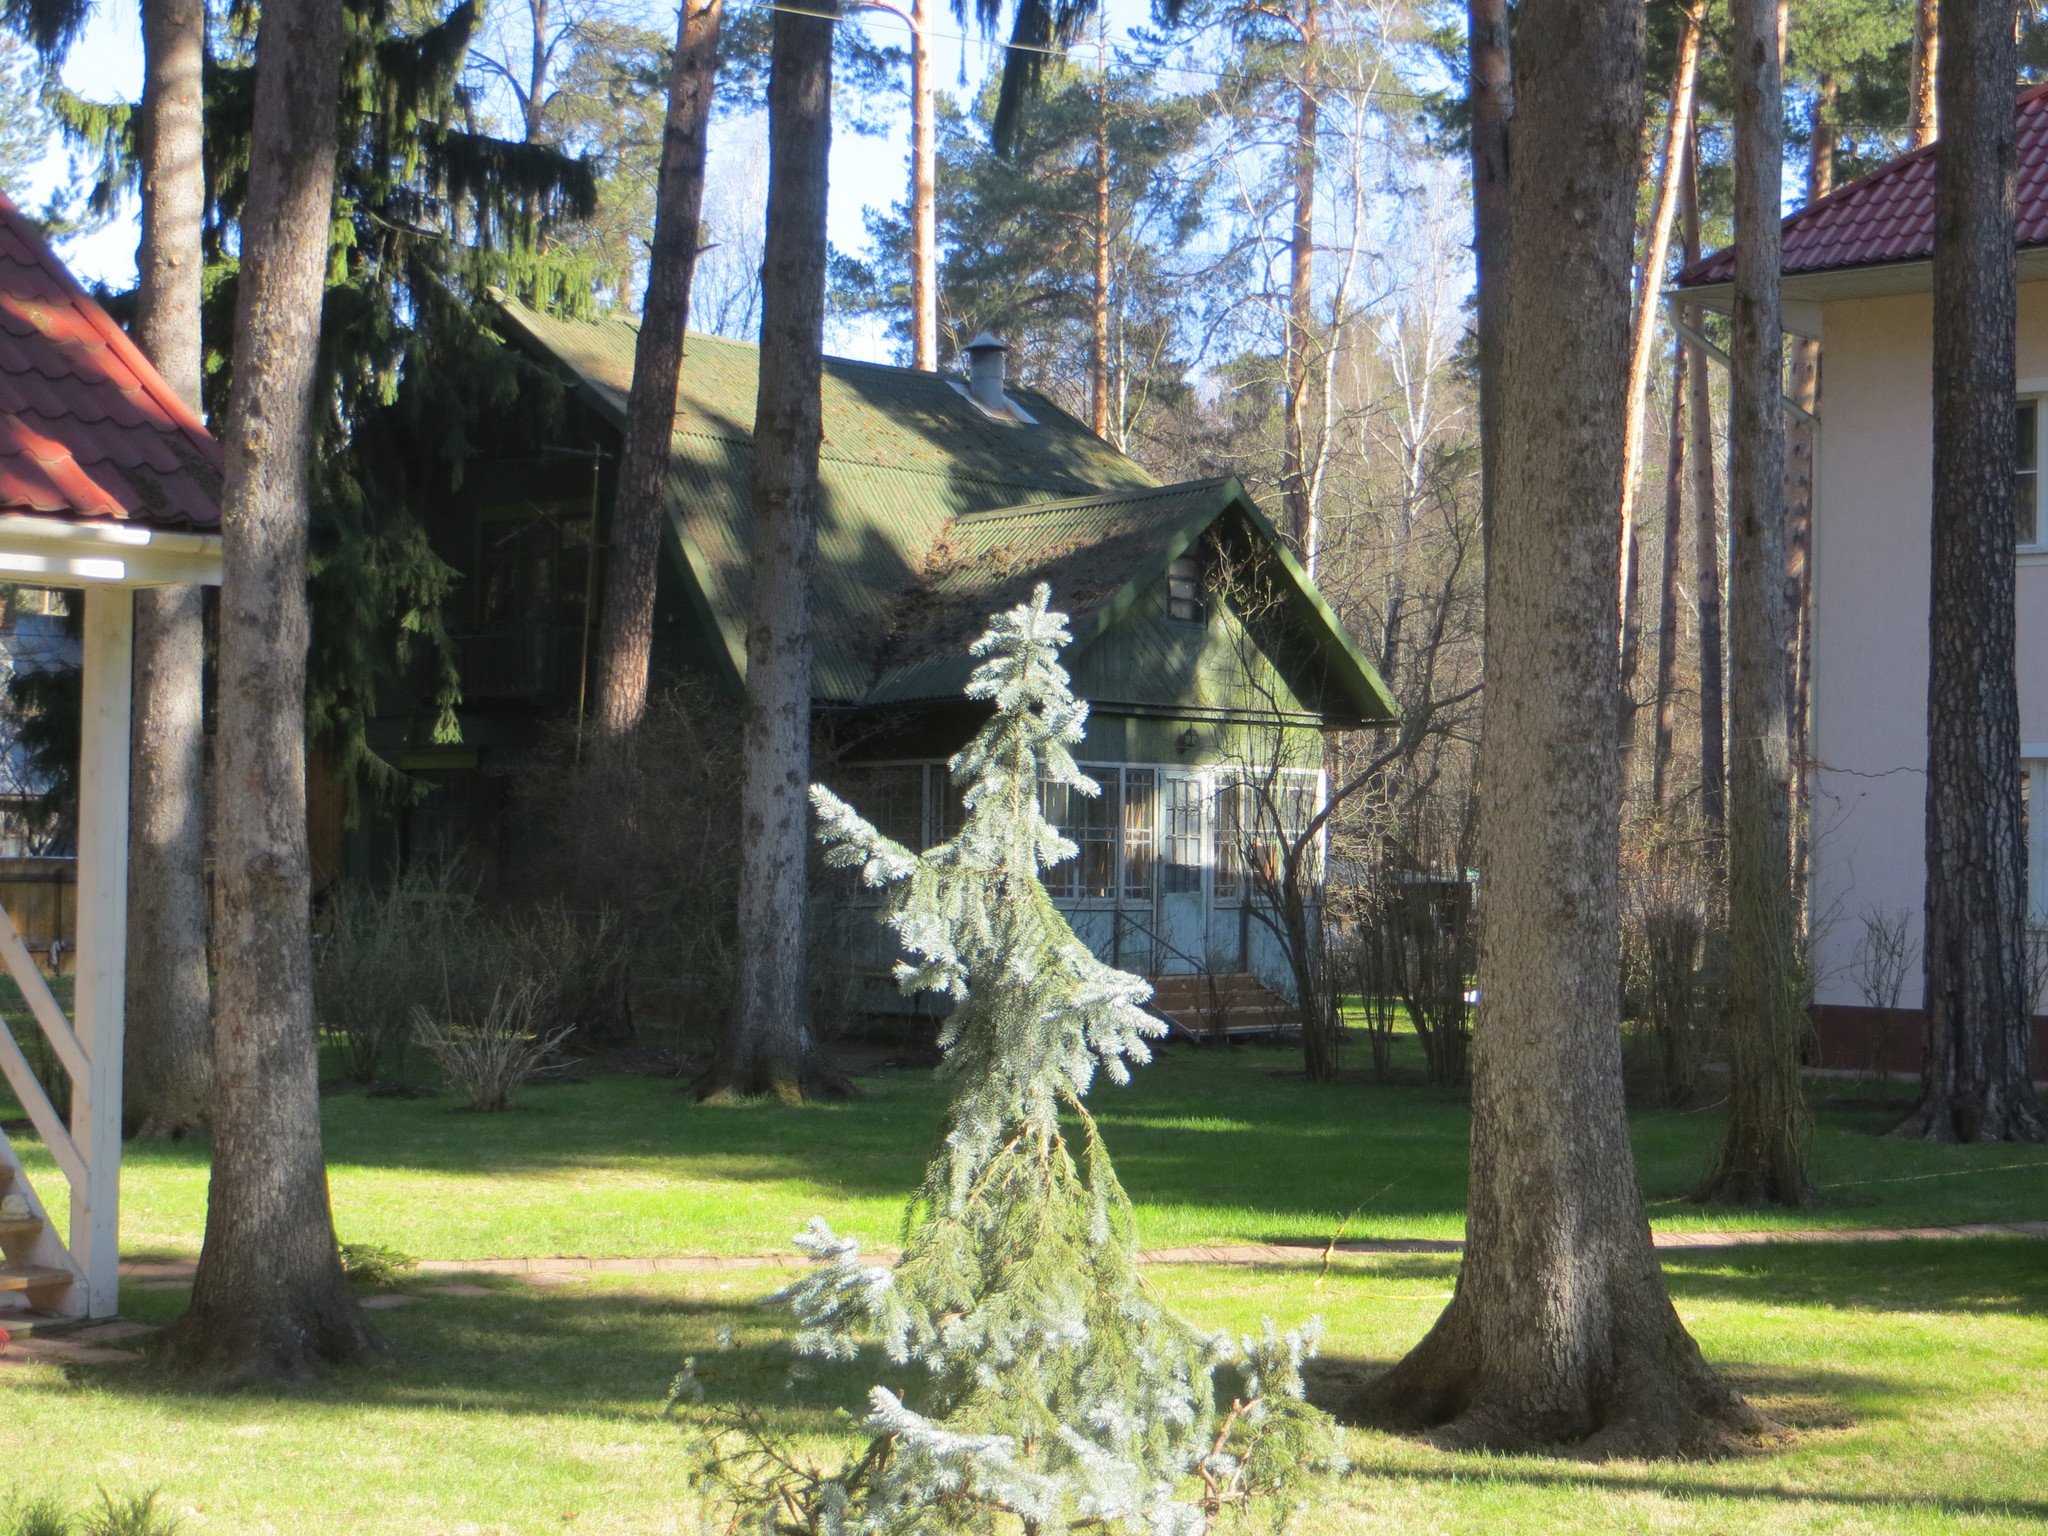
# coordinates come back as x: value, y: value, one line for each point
x: 41, y: 895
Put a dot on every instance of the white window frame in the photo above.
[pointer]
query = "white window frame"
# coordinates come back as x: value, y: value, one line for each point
x: 2034, y: 392
x: 2034, y: 786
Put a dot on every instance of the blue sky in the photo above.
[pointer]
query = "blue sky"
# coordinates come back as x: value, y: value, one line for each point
x: 106, y: 64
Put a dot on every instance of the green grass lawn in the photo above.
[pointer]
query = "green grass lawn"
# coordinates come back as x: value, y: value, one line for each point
x: 1213, y: 1148
x: 1912, y: 1374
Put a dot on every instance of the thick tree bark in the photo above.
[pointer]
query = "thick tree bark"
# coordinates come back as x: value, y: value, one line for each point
x: 1706, y: 541
x: 1297, y: 497
x: 924, y: 193
x: 1977, y: 1079
x: 168, y: 1049
x: 269, y: 1300
x: 1643, y: 339
x: 767, y: 1046
x: 1665, y: 725
x: 625, y: 637
x: 1560, y: 1330
x: 1490, y: 102
x: 1763, y: 1151
x: 1923, y: 114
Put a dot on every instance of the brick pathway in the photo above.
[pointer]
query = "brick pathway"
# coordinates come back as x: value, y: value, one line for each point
x: 166, y: 1273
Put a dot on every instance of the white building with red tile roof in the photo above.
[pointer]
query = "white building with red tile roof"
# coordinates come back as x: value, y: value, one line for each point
x: 1858, y: 275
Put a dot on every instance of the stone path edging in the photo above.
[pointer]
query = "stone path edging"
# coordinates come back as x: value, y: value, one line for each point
x: 172, y: 1272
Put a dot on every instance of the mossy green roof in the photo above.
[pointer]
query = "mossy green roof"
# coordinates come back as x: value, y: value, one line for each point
x: 933, y: 514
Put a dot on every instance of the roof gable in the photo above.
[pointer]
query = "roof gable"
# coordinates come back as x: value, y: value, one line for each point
x: 88, y: 428
x: 1888, y: 216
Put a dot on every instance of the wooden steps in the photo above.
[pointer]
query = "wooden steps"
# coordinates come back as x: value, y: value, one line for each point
x: 1234, y: 1003
x: 35, y: 1294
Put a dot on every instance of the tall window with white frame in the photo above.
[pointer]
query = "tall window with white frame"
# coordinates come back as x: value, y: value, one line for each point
x: 2026, y: 500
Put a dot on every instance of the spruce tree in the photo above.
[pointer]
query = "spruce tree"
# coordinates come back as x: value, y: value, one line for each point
x: 1052, y: 1387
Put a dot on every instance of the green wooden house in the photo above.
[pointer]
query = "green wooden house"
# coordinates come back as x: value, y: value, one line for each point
x: 1212, y: 665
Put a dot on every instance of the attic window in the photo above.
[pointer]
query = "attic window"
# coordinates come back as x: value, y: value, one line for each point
x: 1184, y: 603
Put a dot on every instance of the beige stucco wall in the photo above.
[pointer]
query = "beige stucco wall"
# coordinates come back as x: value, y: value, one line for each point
x: 1870, y: 619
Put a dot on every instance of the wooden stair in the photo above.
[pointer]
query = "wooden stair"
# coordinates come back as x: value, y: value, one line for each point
x: 38, y: 1284
x: 1236, y: 1002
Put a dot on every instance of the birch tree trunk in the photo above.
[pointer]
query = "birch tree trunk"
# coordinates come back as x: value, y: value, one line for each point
x: 1977, y: 1078
x: 625, y: 639
x: 767, y: 1046
x: 168, y: 1049
x: 1706, y: 541
x: 269, y: 1301
x: 1643, y: 340
x: 1296, y: 500
x: 1763, y: 1151
x: 1560, y: 1330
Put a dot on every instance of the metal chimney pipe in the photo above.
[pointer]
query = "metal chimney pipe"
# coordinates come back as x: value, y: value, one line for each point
x: 986, y: 370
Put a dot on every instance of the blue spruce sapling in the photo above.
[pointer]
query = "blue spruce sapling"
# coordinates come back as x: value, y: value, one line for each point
x: 1052, y: 1388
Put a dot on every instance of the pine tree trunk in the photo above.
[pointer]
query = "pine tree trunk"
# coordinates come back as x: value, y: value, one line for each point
x: 1977, y: 1079
x: 1490, y: 102
x: 1297, y: 500
x: 1801, y: 445
x: 767, y: 1046
x: 1763, y: 1151
x: 625, y: 639
x: 1706, y: 541
x: 924, y: 194
x: 269, y: 1301
x: 1098, y: 350
x: 1560, y: 1330
x: 168, y: 1049
x: 1643, y: 340
x: 1666, y: 722
x: 1923, y: 117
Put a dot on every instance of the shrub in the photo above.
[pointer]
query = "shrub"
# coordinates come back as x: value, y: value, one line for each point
x: 490, y: 1061
x: 383, y: 951
x: 374, y: 1264
x: 42, y: 1515
x: 133, y: 1515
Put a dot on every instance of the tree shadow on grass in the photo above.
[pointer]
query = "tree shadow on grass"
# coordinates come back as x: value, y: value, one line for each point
x: 1997, y: 1275
x: 588, y: 1349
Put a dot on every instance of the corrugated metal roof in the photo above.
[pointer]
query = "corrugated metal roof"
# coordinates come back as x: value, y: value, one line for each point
x: 934, y: 515
x: 88, y: 429
x: 904, y: 454
x: 1888, y: 215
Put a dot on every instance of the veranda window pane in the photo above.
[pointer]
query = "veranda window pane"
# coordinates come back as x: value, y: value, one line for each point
x: 1183, y: 834
x: 1229, y: 840
x: 1141, y: 787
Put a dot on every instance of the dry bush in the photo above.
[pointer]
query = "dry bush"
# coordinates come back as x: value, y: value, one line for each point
x: 382, y: 950
x: 1668, y: 927
x: 646, y: 842
x: 424, y: 942
x: 488, y: 1062
x: 1885, y: 959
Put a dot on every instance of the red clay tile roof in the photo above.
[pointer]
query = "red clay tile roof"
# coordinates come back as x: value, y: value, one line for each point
x: 1889, y: 215
x: 88, y: 429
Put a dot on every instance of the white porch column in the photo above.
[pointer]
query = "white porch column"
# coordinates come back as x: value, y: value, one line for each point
x: 102, y: 938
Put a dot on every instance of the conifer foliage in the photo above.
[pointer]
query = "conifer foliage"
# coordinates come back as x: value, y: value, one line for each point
x: 1047, y: 1385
